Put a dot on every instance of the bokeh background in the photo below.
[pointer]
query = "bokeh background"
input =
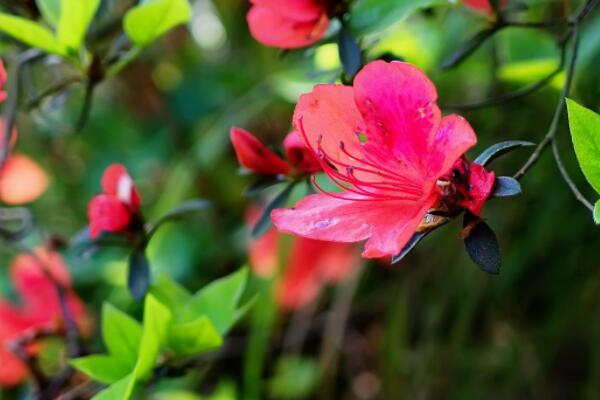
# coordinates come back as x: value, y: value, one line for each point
x: 433, y: 326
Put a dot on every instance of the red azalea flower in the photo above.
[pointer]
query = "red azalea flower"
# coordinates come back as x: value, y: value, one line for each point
x: 310, y: 265
x: 295, y: 24
x: 113, y: 210
x: 483, y: 5
x: 386, y: 144
x: 22, y: 180
x: 3, y: 79
x: 257, y: 158
x: 39, y: 307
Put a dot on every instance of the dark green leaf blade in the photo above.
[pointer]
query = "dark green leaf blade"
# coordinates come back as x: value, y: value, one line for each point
x: 481, y: 245
x: 506, y: 186
x: 138, y: 279
x: 264, y: 223
x: 498, y: 149
x: 349, y: 51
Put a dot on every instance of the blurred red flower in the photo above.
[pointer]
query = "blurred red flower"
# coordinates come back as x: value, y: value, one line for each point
x: 483, y: 5
x: 113, y: 210
x: 22, y: 180
x: 257, y: 158
x: 310, y: 264
x: 35, y: 278
x: 386, y: 144
x: 295, y: 24
x: 3, y: 78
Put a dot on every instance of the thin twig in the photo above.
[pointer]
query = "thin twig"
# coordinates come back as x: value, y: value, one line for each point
x: 563, y: 171
x: 11, y: 104
x: 546, y: 141
x: 34, y: 102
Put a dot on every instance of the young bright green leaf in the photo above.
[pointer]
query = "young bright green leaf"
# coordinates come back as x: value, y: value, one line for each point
x: 195, y: 337
x: 102, y: 368
x: 154, y: 336
x: 50, y: 10
x: 150, y: 19
x: 122, y: 334
x: 75, y: 18
x: 597, y: 213
x: 585, y: 131
x: 30, y: 33
x: 371, y: 16
x: 295, y: 378
x: 121, y: 390
x: 218, y: 301
x: 169, y: 292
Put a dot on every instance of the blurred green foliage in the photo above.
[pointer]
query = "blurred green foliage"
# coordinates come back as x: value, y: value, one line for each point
x: 431, y: 327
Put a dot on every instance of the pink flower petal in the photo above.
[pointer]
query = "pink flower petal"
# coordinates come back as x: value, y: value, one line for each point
x: 398, y: 104
x: 387, y: 225
x: 297, y: 10
x: 328, y: 117
x: 107, y: 214
x: 452, y: 139
x: 483, y: 5
x: 272, y: 28
x: 300, y: 156
x: 3, y: 79
x: 21, y: 180
x: 117, y: 182
x: 481, y: 184
x: 255, y: 156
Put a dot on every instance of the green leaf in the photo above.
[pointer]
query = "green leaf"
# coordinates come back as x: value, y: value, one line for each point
x: 218, y: 301
x: 30, y: 33
x: 154, y: 335
x: 102, y: 368
x: 75, y: 18
x: 169, y: 292
x: 372, y: 16
x: 195, y: 337
x: 597, y: 213
x: 138, y: 276
x: 50, y: 10
x: 121, y: 333
x: 295, y: 378
x: 149, y: 20
x: 121, y: 390
x: 585, y: 131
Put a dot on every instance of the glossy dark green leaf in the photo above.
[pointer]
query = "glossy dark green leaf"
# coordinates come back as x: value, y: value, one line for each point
x: 349, y: 51
x: 481, y: 245
x: 416, y: 238
x: 261, y: 183
x: 138, y: 279
x: 179, y: 212
x: 506, y: 186
x: 498, y: 149
x: 264, y: 223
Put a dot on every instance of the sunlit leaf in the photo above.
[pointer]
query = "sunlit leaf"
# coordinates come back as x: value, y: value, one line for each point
x: 50, y: 10
x: 30, y: 33
x: 75, y: 18
x: 154, y: 335
x: 194, y: 337
x: 102, y: 368
x: 149, y: 20
x: 585, y: 131
x: 121, y: 333
x: 219, y: 301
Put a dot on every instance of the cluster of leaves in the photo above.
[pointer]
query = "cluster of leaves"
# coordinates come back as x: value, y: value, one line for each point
x: 177, y: 324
